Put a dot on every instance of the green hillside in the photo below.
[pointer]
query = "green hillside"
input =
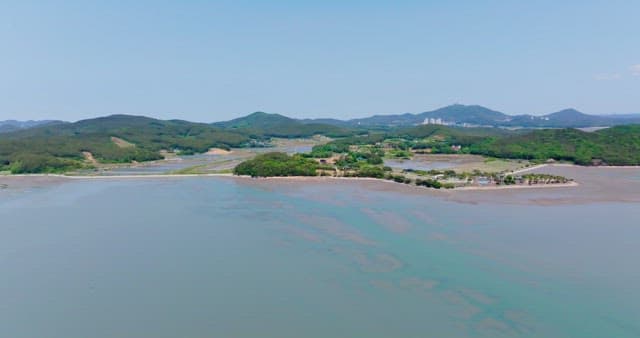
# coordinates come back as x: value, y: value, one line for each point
x: 614, y: 146
x: 259, y: 125
x: 125, y: 138
x: 457, y: 135
x: 60, y: 147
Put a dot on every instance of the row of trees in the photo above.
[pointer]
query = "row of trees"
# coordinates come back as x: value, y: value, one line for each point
x: 544, y: 179
x: 277, y: 164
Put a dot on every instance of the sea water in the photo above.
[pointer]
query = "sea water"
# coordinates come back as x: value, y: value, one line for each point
x: 221, y: 257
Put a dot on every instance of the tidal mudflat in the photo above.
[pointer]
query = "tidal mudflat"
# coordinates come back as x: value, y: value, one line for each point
x: 236, y: 257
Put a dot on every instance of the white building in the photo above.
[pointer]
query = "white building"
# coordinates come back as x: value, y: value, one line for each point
x: 432, y: 120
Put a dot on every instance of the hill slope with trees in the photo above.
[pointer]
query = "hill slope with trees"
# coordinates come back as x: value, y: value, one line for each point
x: 59, y: 147
x: 613, y: 146
x: 261, y: 124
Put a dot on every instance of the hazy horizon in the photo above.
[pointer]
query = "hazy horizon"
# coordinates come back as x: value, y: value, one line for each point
x: 214, y: 61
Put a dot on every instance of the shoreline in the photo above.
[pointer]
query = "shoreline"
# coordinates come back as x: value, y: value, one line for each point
x: 523, y: 170
x: 527, y: 186
x: 292, y: 178
x: 467, y: 188
x: 572, y: 165
x: 89, y: 177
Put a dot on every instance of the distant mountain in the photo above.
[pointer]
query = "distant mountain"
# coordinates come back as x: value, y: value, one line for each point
x: 261, y: 119
x: 329, y: 121
x: 260, y: 124
x: 13, y: 125
x: 386, y: 120
x: 451, y: 115
x: 478, y: 116
x: 567, y: 118
x: 461, y: 114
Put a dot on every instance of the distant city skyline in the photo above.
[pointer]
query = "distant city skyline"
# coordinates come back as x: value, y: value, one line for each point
x: 218, y: 60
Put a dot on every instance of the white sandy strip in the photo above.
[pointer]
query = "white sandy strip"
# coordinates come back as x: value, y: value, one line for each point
x: 615, y: 166
x: 519, y: 186
x: 529, y: 168
x: 595, y: 166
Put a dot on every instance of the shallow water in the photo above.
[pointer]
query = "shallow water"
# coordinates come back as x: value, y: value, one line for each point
x: 220, y: 257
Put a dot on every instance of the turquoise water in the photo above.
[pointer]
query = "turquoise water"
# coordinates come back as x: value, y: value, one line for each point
x: 217, y: 257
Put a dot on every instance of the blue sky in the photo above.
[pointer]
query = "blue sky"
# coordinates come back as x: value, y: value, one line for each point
x: 215, y: 60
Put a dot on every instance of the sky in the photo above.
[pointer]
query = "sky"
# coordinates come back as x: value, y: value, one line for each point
x: 217, y: 60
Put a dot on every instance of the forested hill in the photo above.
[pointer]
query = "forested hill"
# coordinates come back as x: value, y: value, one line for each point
x: 260, y: 124
x: 125, y: 138
x: 616, y: 146
x: 117, y: 138
x: 613, y: 146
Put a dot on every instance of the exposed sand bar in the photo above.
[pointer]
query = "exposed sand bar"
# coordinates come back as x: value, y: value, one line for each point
x: 529, y: 169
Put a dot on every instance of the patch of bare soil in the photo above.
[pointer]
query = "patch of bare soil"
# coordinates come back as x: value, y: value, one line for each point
x: 121, y: 143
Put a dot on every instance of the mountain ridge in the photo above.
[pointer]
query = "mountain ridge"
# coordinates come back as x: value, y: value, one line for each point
x: 13, y: 125
x: 480, y: 116
x: 456, y: 114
